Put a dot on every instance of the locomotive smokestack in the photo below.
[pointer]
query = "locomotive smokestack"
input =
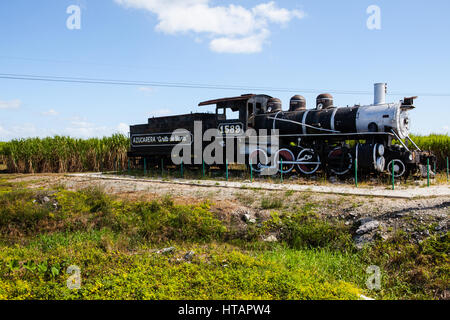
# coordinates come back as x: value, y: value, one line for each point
x: 380, y: 93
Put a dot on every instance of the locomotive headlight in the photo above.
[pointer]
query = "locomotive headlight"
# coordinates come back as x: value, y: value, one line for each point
x: 410, y: 157
x: 403, y: 123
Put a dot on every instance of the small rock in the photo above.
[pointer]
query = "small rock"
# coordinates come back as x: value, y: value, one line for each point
x: 367, y: 227
x: 188, y: 256
x: 440, y: 226
x: 361, y: 240
x: 45, y: 199
x: 362, y: 221
x: 271, y: 238
x: 353, y: 214
x: 248, y: 218
x: 166, y: 250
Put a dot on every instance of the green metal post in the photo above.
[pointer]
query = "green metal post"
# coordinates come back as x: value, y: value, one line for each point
x: 203, y: 168
x: 447, y: 169
x: 356, y: 172
x: 281, y: 170
x: 182, y: 169
x: 226, y: 161
x: 129, y: 167
x: 428, y: 172
x: 162, y: 167
x: 145, y: 166
x: 251, y: 171
x: 393, y: 176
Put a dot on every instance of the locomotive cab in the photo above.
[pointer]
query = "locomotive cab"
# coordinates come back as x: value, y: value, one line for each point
x: 248, y: 106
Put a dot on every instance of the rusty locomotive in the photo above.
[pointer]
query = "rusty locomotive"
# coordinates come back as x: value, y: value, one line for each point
x: 325, y: 138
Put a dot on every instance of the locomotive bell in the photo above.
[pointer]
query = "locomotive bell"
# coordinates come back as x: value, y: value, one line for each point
x: 297, y: 103
x: 324, y: 101
x: 274, y: 105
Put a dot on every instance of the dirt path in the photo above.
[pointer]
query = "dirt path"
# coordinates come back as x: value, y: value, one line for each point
x: 250, y: 196
x: 380, y: 191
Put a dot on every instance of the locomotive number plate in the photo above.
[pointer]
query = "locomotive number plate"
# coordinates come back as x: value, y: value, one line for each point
x: 231, y: 128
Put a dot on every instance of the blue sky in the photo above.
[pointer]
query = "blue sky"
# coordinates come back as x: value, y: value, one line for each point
x: 312, y: 44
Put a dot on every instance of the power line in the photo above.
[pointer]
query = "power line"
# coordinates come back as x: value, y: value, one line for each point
x: 65, y: 79
x: 72, y: 62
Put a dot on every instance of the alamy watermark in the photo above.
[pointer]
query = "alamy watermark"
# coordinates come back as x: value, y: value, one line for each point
x: 374, y: 280
x: 374, y: 19
x: 226, y: 143
x: 74, y: 281
x: 73, y: 22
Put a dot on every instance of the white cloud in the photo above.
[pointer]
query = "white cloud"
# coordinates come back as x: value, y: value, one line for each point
x: 277, y: 15
x: 84, y: 129
x: 12, y: 104
x: 225, y: 26
x: 50, y: 112
x: 251, y: 44
x: 123, y: 128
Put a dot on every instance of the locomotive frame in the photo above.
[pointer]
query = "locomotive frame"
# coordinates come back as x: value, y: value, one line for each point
x: 326, y: 136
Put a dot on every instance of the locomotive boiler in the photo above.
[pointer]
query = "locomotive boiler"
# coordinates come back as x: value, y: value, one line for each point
x: 324, y: 137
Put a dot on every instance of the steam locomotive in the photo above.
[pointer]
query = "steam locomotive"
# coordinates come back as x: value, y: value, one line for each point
x: 326, y: 137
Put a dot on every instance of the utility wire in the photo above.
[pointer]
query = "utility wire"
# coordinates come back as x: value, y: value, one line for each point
x: 65, y: 79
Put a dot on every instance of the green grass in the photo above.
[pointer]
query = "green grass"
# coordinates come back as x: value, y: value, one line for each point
x: 215, y: 272
x: 114, y: 243
x: 271, y: 203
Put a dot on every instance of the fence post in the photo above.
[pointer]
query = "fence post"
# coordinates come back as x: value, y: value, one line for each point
x: 129, y: 168
x: 393, y: 176
x: 356, y: 172
x: 162, y: 167
x: 145, y: 166
x: 182, y: 168
x: 251, y: 171
x: 428, y: 172
x: 203, y: 168
x: 447, y: 169
x: 281, y: 170
x: 226, y: 164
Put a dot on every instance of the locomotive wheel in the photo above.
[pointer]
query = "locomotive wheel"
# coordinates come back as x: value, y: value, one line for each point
x: 287, y: 156
x: 308, y: 155
x: 399, y: 168
x: 340, y: 161
x: 258, y: 160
